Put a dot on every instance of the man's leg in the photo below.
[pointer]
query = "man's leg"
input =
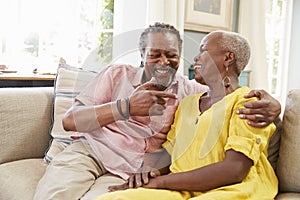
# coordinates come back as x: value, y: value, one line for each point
x: 70, y: 174
x: 101, y: 185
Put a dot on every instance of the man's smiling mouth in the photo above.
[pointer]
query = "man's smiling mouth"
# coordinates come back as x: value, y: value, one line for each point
x: 162, y: 70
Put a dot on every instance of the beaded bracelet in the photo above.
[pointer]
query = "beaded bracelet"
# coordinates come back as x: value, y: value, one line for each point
x: 119, y: 107
x: 127, y: 107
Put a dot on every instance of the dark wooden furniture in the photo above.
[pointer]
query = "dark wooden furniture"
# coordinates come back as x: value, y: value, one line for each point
x: 26, y: 80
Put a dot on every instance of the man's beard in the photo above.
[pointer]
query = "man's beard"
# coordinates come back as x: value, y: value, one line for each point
x: 163, y: 75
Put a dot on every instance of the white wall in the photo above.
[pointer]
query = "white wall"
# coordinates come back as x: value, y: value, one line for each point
x: 293, y: 81
x: 129, y: 21
x: 132, y: 21
x: 133, y: 16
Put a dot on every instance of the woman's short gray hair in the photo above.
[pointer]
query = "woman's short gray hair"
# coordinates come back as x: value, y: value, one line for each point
x: 234, y: 42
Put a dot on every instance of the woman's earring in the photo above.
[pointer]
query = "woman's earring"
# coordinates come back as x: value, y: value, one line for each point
x: 226, y: 80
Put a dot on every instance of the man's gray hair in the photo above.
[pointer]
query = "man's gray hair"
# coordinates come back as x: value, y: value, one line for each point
x: 159, y: 28
x: 234, y: 42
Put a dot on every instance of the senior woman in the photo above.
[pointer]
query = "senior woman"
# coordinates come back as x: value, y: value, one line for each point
x: 215, y: 155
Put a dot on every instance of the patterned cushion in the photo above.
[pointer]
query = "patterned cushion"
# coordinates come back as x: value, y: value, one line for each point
x: 69, y: 82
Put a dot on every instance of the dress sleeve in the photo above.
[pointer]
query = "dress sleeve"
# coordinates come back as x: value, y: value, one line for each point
x: 171, y: 136
x: 250, y: 141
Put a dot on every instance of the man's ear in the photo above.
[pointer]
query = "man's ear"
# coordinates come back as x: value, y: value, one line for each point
x: 229, y: 58
x: 143, y: 54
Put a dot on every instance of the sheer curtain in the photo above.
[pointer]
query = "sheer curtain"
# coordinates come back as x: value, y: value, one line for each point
x: 251, y: 24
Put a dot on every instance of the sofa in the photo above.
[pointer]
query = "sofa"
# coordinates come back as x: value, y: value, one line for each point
x: 26, y: 118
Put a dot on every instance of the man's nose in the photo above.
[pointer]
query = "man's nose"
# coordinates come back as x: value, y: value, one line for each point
x: 163, y: 60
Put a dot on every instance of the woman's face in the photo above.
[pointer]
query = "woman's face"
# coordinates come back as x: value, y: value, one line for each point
x: 209, y: 61
x: 161, y: 57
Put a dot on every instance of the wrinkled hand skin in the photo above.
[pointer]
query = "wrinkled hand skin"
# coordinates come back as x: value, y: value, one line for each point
x: 147, y: 99
x: 262, y: 112
x: 136, y: 180
x: 155, y: 142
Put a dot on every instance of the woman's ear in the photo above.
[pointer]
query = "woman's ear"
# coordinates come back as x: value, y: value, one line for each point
x: 229, y: 58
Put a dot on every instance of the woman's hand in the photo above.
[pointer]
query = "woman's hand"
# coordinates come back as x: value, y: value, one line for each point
x: 262, y: 112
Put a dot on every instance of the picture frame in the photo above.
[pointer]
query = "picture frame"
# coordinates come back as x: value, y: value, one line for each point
x: 208, y: 15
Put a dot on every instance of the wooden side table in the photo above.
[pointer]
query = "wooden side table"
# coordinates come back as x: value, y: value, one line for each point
x: 26, y: 80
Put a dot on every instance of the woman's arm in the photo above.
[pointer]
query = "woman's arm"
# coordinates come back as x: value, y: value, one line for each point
x: 232, y: 170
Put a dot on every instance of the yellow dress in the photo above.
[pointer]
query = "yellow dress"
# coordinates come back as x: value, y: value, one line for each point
x: 198, y: 139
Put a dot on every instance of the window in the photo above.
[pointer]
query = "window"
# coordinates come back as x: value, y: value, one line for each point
x: 35, y: 33
x: 278, y: 28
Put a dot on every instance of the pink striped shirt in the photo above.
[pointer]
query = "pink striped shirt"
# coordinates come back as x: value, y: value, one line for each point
x: 120, y: 146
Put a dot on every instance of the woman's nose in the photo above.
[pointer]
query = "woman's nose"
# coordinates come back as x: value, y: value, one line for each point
x: 196, y: 58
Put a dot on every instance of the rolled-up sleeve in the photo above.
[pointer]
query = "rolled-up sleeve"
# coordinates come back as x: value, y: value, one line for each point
x: 250, y: 141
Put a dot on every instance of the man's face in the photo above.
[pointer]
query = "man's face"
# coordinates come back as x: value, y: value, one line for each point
x: 161, y: 57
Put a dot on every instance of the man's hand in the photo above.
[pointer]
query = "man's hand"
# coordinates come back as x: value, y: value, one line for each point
x: 141, y: 179
x: 135, y: 180
x: 155, y: 142
x: 262, y: 112
x: 155, y: 164
x: 147, y: 99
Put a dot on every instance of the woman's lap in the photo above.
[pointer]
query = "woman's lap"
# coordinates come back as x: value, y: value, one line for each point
x: 143, y: 193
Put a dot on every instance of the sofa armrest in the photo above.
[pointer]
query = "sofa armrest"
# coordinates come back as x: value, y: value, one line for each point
x: 289, y: 160
x: 25, y: 121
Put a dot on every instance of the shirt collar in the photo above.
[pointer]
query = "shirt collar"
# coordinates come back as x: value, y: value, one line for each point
x: 137, y: 80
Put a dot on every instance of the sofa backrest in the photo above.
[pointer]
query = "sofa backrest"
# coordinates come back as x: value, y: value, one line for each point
x: 288, y: 166
x: 25, y: 120
x: 274, y: 144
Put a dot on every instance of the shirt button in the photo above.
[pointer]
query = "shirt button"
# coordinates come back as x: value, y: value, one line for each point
x: 258, y: 141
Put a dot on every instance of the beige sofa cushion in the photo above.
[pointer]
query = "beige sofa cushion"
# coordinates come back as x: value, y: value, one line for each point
x: 25, y: 122
x: 288, y: 196
x: 19, y: 179
x: 288, y: 170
